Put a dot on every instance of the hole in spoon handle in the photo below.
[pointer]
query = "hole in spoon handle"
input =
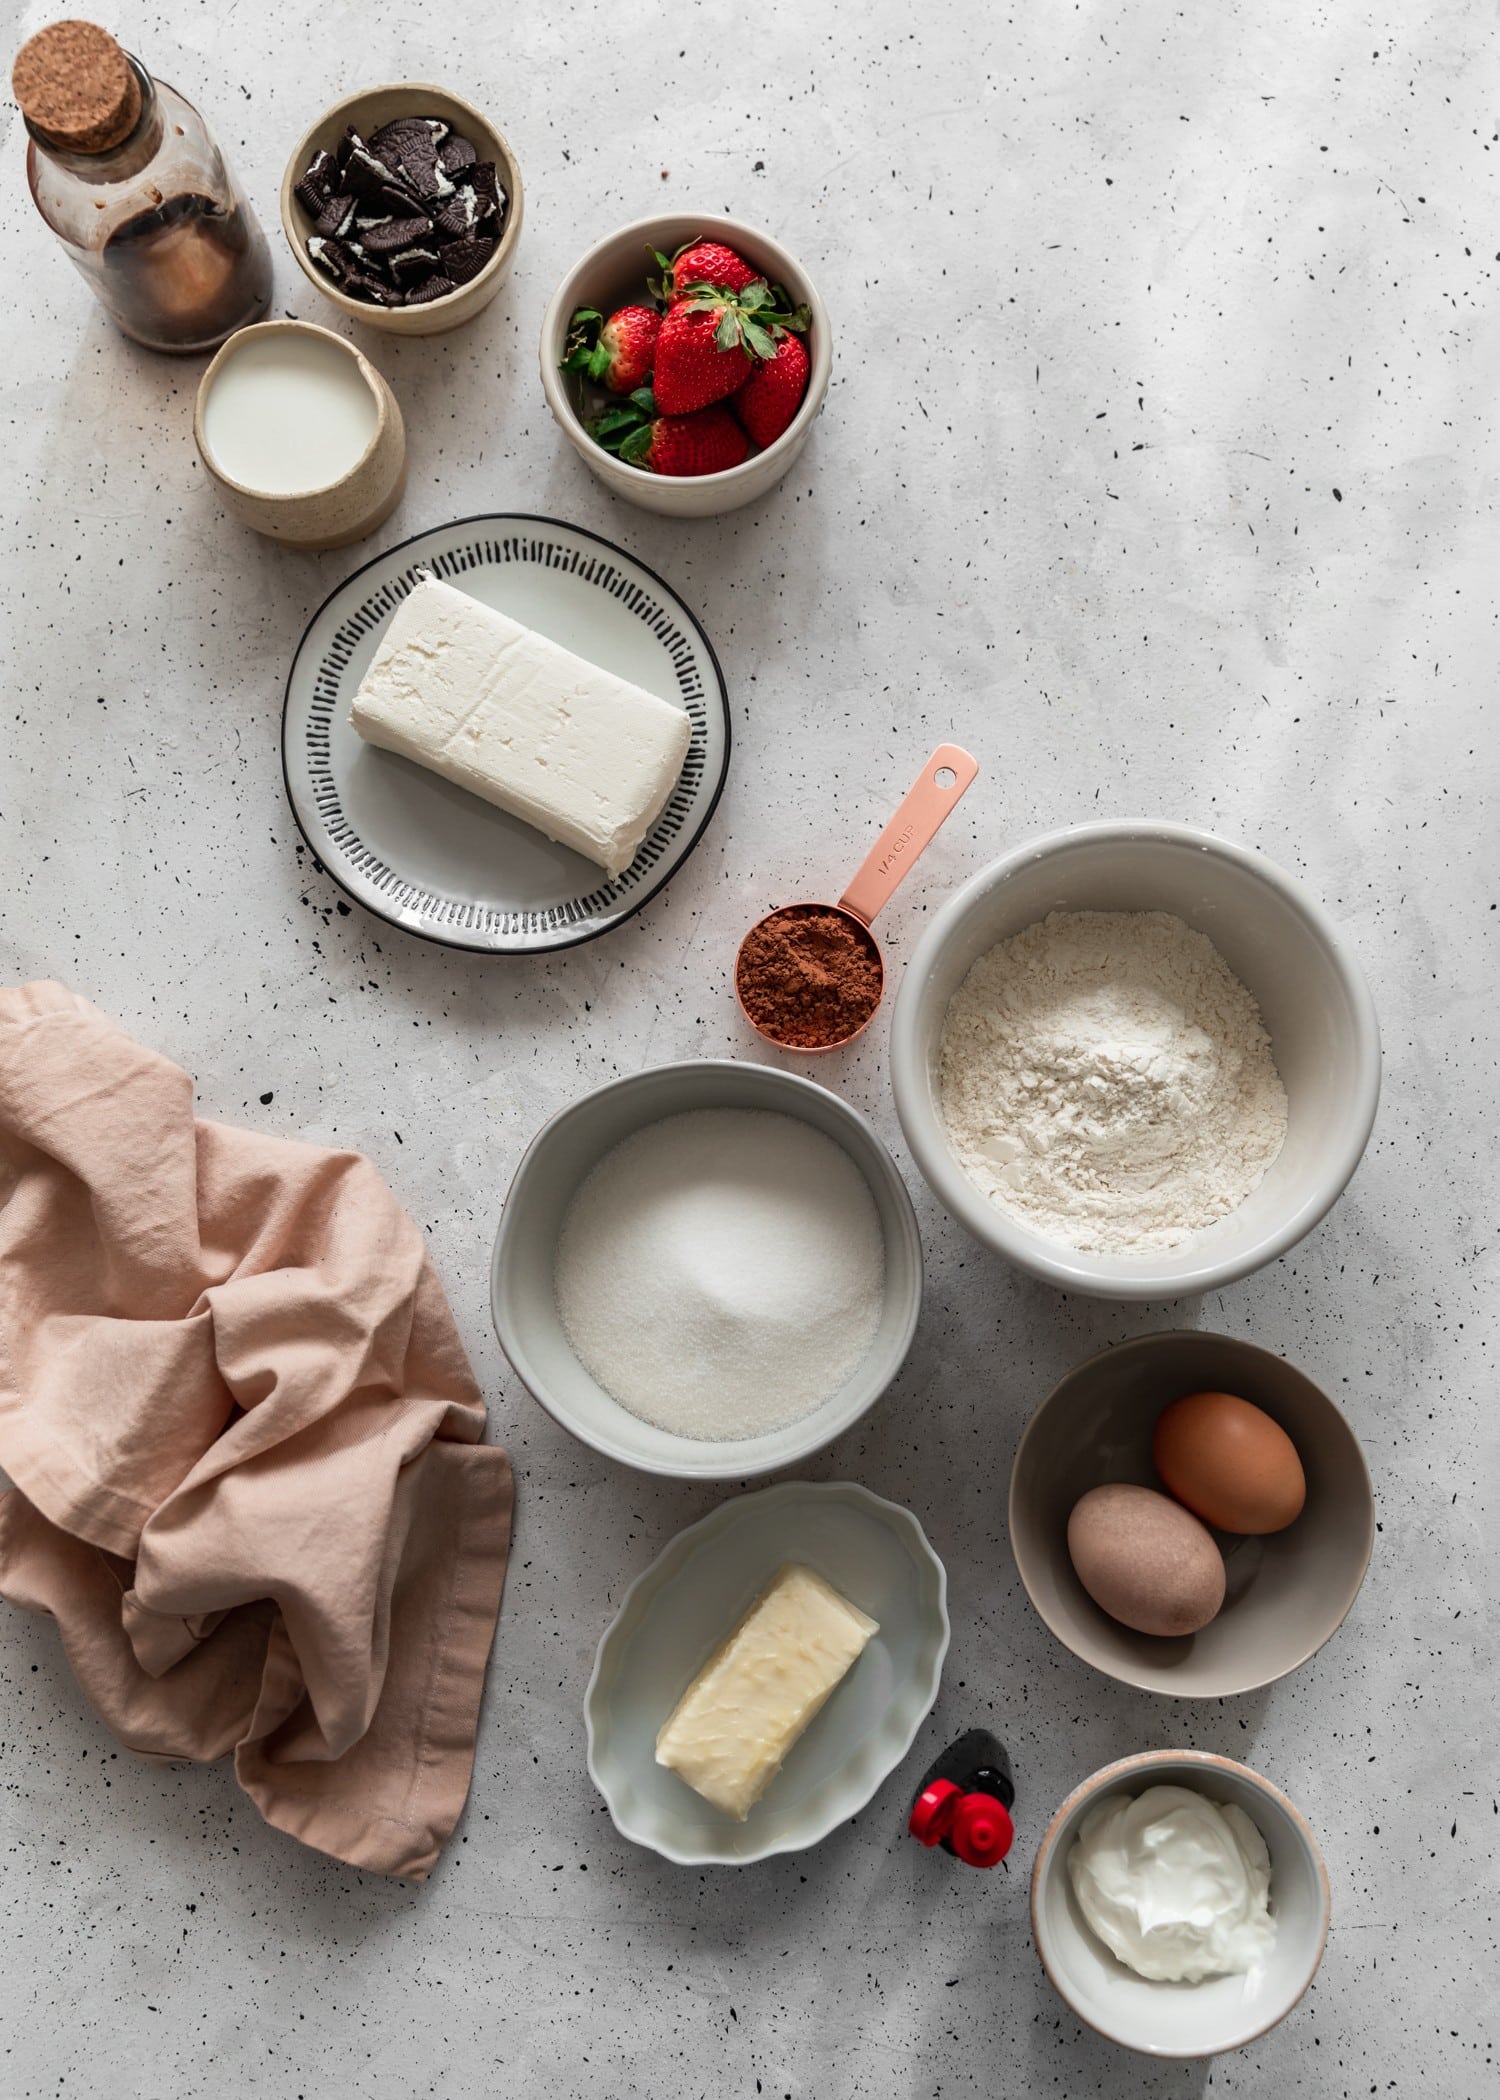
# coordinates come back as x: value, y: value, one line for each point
x: 933, y: 797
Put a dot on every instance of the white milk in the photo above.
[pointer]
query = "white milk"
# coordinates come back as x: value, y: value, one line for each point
x: 287, y: 414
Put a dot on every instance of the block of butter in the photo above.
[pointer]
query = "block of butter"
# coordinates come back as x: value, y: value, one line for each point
x: 730, y: 1732
x: 502, y: 711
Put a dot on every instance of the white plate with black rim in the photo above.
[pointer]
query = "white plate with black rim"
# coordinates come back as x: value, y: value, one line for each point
x: 433, y: 859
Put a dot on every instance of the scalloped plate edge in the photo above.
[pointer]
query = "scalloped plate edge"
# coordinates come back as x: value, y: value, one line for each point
x: 927, y: 1675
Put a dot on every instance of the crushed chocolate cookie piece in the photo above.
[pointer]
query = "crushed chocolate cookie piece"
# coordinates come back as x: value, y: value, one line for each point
x: 412, y: 266
x: 392, y: 141
x: 455, y: 153
x: 336, y: 218
x: 311, y: 196
x: 489, y: 198
x: 330, y: 256
x: 364, y: 172
x: 460, y: 215
x: 434, y: 288
x: 390, y: 236
x: 362, y: 283
x: 395, y: 201
x: 463, y: 260
x: 314, y: 190
x: 408, y: 148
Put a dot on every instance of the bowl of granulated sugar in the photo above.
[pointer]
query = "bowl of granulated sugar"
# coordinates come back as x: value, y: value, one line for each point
x: 707, y: 1270
x: 1138, y: 1060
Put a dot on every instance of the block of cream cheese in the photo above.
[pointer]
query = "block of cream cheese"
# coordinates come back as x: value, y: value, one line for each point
x: 502, y: 711
x: 732, y: 1728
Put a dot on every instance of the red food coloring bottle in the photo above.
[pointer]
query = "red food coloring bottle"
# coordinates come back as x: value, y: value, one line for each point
x: 965, y: 1799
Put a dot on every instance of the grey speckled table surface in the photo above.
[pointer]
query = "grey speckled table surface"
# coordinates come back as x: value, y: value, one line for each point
x: 1160, y: 468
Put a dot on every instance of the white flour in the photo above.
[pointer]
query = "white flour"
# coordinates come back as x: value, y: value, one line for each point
x: 1106, y: 1078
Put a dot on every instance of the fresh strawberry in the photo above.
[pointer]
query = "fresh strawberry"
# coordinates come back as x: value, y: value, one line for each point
x: 709, y: 338
x: 695, y: 364
x: 700, y: 262
x: 705, y: 442
x: 772, y: 395
x: 616, y: 353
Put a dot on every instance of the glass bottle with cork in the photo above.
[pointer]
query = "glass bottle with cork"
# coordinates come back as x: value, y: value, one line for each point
x: 130, y: 179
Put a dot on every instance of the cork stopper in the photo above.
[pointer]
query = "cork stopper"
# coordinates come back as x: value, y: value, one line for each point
x: 76, y: 87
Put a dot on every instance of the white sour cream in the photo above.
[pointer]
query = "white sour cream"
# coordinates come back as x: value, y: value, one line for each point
x: 1175, y: 1886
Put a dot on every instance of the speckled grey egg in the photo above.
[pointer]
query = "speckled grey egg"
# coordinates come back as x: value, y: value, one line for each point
x: 1145, y: 1560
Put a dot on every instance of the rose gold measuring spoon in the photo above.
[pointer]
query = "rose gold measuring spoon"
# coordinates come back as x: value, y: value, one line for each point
x: 804, y: 980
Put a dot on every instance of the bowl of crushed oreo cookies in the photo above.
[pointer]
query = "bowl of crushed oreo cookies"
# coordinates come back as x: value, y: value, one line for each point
x: 402, y: 204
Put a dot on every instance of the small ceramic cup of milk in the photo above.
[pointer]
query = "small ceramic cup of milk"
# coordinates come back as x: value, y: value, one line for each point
x: 302, y: 435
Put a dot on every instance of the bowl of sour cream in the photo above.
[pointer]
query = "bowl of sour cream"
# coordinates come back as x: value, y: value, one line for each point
x: 1179, y: 1903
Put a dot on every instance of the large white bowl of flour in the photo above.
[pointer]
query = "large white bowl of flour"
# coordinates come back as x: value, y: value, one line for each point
x: 707, y: 1270
x: 1263, y: 1050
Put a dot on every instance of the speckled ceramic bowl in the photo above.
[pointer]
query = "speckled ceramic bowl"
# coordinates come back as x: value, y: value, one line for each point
x: 1183, y: 2020
x: 613, y: 272
x: 367, y: 109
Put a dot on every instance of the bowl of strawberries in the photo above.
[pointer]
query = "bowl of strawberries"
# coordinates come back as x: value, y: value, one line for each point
x: 685, y: 359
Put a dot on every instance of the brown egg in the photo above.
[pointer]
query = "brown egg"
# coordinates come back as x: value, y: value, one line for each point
x: 1144, y: 1560
x: 1230, y: 1463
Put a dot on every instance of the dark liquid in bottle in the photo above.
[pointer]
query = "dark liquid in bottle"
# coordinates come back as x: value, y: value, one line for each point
x: 187, y: 273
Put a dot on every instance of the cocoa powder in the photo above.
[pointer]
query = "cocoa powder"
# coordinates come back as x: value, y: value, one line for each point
x: 809, y: 976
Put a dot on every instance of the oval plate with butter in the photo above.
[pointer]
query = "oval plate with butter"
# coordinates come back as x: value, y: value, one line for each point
x: 676, y: 1614
x: 432, y: 858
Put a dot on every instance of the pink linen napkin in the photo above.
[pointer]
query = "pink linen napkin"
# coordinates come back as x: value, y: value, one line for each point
x: 245, y: 1442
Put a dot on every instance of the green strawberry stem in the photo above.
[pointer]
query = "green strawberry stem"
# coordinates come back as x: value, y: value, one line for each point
x: 752, y: 320
x: 659, y: 287
x: 763, y: 310
x: 583, y: 351
x: 625, y: 428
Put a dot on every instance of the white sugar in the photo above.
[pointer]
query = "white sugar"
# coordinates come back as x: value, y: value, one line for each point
x: 721, y: 1273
